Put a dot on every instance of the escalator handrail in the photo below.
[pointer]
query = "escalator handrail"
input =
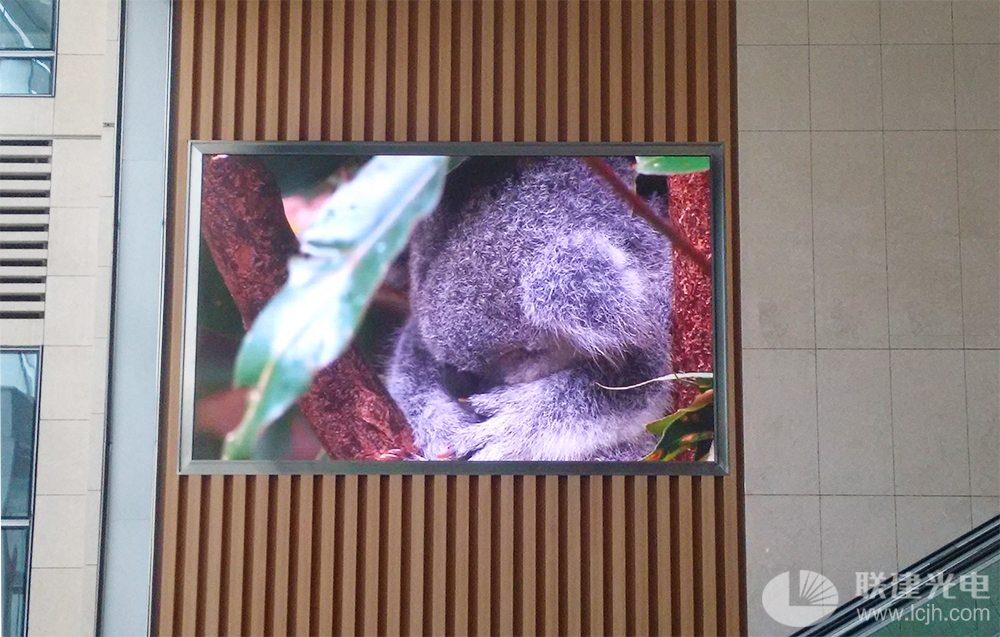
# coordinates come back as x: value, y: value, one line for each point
x: 960, y: 556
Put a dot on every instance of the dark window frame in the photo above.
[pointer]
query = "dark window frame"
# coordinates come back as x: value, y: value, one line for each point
x: 28, y: 522
x: 48, y: 54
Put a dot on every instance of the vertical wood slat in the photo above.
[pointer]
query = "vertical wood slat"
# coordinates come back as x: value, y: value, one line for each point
x: 347, y: 554
x: 212, y: 567
x: 594, y: 550
x: 302, y: 584
x: 504, y: 580
x: 324, y: 566
x: 619, y: 569
x: 526, y: 553
x: 423, y: 84
x: 570, y: 105
x: 418, y: 565
x: 552, y: 568
x: 529, y: 73
x: 368, y: 609
x: 401, y: 95
x: 444, y: 68
x: 439, y: 559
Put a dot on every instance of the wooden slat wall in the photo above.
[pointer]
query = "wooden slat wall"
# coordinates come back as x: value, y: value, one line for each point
x: 443, y: 555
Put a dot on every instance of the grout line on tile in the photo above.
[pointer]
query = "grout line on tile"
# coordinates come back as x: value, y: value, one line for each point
x: 888, y: 305
x: 867, y: 349
x: 968, y: 434
x: 812, y: 232
x: 852, y: 130
x: 812, y: 239
x: 857, y: 44
x: 961, y: 273
x: 871, y: 495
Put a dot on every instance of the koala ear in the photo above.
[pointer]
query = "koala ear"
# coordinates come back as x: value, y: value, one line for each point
x: 588, y: 291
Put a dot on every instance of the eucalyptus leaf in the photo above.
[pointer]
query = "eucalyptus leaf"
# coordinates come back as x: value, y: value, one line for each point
x: 678, y: 165
x: 350, y: 246
x: 684, y: 429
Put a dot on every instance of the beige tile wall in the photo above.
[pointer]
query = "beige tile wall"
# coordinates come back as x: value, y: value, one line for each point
x: 80, y: 120
x: 870, y: 237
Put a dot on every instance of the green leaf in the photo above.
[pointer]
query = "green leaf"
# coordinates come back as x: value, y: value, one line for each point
x: 311, y: 320
x: 671, y: 165
x: 684, y: 429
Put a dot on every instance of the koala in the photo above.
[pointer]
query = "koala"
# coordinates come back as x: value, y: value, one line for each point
x: 531, y: 285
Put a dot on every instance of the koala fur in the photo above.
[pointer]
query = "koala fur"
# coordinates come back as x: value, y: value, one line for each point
x: 530, y: 284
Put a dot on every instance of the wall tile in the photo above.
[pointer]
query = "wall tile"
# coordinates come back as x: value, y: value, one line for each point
x: 20, y: 116
x: 79, y: 95
x: 843, y: 22
x: 66, y: 382
x: 57, y: 538
x: 977, y: 86
x: 976, y: 21
x: 984, y: 509
x: 978, y: 203
x: 783, y: 534
x: 918, y: 87
x: 109, y: 99
x: 105, y: 231
x: 849, y: 225
x: 75, y: 173
x: 930, y: 436
x: 925, y: 524
x: 25, y: 332
x: 88, y: 614
x: 82, y: 26
x: 773, y: 87
x: 982, y: 387
x: 114, y: 12
x: 102, y: 301
x: 72, y: 241
x: 92, y: 531
x: 63, y: 449
x: 776, y: 240
x: 925, y: 291
x: 845, y: 87
x: 108, y: 164
x: 99, y: 378
x: 779, y: 414
x: 95, y: 460
x: 56, y: 601
x: 69, y: 310
x: 859, y: 536
x: 855, y: 422
x: 916, y: 22
x: 772, y: 22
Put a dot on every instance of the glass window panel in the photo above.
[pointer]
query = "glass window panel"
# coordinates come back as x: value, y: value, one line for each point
x: 18, y: 383
x: 15, y: 580
x: 26, y: 24
x: 26, y: 76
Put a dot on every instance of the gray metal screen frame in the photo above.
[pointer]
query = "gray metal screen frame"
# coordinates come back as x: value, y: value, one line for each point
x: 722, y: 362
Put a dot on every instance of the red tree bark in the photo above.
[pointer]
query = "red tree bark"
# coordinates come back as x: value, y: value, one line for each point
x: 690, y: 212
x: 243, y: 223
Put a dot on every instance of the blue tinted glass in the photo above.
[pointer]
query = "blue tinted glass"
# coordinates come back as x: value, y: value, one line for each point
x: 26, y: 24
x: 26, y: 76
x: 18, y: 392
x: 15, y: 580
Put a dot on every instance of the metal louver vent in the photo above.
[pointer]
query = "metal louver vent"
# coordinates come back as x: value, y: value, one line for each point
x: 25, y: 173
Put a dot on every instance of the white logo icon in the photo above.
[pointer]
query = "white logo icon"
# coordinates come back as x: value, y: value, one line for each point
x: 815, y: 598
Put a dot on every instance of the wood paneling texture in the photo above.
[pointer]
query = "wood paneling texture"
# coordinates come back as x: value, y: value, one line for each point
x: 447, y: 555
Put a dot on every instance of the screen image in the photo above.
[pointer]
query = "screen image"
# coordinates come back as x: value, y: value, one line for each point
x: 446, y: 310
